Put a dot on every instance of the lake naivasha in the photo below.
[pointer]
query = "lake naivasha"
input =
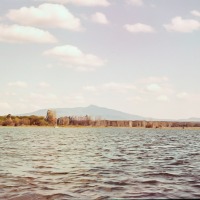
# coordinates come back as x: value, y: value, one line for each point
x: 98, y: 163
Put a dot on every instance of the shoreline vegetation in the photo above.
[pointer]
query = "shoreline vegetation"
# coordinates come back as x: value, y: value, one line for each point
x: 86, y: 121
x: 107, y: 127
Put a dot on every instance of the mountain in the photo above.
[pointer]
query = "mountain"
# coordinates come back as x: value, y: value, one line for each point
x: 92, y: 110
x: 103, y: 113
x: 192, y: 119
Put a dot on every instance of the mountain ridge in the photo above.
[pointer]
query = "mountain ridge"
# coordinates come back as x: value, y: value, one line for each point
x: 91, y: 110
x: 101, y: 112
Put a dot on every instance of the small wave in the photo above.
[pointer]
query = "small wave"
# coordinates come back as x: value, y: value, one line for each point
x: 168, y: 158
x: 163, y: 174
x: 117, y: 160
x: 179, y: 162
x: 196, y: 185
x: 41, y: 167
x: 109, y: 189
x: 194, y: 154
x: 59, y: 173
x: 52, y: 173
x: 154, y: 182
x: 86, y: 180
x: 28, y: 196
x: 145, y: 195
x: 101, y: 198
x: 59, y: 196
x: 122, y: 183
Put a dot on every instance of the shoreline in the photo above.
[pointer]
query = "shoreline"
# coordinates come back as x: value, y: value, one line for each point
x: 73, y: 126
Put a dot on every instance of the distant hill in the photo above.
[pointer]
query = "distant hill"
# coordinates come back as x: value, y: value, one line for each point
x: 192, y: 119
x: 92, y: 110
x: 104, y: 113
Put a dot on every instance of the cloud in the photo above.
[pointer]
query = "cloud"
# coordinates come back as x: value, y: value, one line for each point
x: 90, y: 88
x: 99, y: 18
x: 163, y: 98
x: 195, y: 13
x: 74, y: 57
x: 182, y: 95
x: 154, y: 79
x: 122, y: 87
x: 24, y: 34
x: 136, y: 2
x: 153, y: 87
x: 46, y: 15
x: 19, y: 84
x: 139, y: 28
x: 182, y: 25
x: 40, y: 96
x: 111, y: 87
x: 89, y: 3
x: 44, y: 85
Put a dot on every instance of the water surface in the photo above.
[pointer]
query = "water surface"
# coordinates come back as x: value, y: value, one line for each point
x: 99, y: 163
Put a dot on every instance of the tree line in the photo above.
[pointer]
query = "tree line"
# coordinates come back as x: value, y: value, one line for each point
x: 51, y: 120
x: 23, y: 120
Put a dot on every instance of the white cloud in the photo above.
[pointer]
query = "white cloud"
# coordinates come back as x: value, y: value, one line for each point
x: 121, y: 87
x: 24, y: 34
x: 153, y: 87
x: 195, y: 13
x: 40, y: 96
x: 19, y: 84
x: 90, y: 88
x: 136, y: 2
x: 182, y: 95
x: 46, y: 15
x: 44, y: 84
x: 74, y: 57
x: 182, y: 25
x: 154, y: 79
x: 99, y: 18
x: 81, y: 2
x: 139, y: 28
x: 111, y: 87
x: 163, y: 98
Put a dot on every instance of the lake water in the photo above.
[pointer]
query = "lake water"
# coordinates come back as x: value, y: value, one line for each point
x: 99, y: 163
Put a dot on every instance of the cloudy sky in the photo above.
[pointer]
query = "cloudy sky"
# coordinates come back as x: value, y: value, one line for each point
x: 136, y: 56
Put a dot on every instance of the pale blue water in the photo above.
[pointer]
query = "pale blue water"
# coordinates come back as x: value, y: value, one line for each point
x: 99, y: 163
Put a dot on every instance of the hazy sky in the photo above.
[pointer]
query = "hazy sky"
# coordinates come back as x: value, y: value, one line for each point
x: 137, y: 56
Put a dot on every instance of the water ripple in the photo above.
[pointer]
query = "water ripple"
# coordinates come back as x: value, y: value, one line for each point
x: 98, y: 163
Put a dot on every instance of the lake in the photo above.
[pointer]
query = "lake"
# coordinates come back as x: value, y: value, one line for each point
x: 98, y: 163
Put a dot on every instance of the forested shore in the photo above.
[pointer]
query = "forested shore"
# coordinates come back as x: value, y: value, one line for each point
x: 51, y: 120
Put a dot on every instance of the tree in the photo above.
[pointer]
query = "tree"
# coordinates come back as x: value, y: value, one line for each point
x: 51, y: 117
x: 8, y: 121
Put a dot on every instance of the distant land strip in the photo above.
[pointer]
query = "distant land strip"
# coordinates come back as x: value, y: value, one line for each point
x: 51, y: 120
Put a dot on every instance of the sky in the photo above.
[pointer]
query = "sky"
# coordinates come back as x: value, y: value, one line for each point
x: 137, y: 56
